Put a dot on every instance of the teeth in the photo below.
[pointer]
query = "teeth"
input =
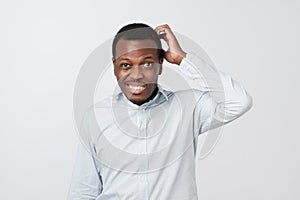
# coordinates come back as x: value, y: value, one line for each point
x: 136, y: 89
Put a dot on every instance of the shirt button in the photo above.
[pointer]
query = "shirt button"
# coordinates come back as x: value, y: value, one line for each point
x: 142, y: 177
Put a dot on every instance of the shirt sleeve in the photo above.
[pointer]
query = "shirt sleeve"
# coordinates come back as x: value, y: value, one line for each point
x: 220, y: 99
x: 86, y: 181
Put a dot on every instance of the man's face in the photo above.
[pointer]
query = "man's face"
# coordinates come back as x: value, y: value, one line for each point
x: 136, y: 68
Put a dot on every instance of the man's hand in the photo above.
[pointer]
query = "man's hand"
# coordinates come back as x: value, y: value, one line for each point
x: 174, y: 53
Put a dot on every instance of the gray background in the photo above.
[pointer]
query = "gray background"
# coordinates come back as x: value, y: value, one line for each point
x: 43, y: 45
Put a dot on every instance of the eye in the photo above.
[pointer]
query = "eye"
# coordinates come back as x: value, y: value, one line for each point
x: 124, y: 65
x: 148, y: 64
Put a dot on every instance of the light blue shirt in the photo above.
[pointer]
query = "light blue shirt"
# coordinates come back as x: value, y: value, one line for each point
x: 147, y: 152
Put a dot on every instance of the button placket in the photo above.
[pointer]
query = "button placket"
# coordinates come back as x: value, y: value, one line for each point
x: 142, y: 125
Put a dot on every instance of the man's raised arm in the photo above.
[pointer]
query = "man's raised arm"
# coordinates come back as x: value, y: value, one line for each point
x: 220, y: 98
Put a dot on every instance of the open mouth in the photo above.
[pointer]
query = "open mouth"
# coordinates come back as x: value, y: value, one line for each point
x: 136, y: 89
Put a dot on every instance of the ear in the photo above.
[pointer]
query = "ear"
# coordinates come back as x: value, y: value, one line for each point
x: 114, y: 64
x: 161, y: 60
x: 160, y: 70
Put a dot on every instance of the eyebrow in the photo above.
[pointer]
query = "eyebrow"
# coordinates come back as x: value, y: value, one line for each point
x: 123, y: 59
x: 147, y: 57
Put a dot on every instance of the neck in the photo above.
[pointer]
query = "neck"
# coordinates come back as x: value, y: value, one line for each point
x: 153, y: 94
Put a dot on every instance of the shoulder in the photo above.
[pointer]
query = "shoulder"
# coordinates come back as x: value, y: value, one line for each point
x: 104, y: 103
x: 190, y: 98
x: 98, y: 107
x: 191, y: 94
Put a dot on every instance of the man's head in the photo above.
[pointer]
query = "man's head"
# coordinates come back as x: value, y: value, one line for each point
x: 137, y: 59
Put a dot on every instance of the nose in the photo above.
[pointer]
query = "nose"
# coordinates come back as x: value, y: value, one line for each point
x: 136, y: 73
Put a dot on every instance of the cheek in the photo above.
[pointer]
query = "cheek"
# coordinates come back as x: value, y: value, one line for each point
x: 155, y: 73
x: 119, y: 74
x: 152, y: 76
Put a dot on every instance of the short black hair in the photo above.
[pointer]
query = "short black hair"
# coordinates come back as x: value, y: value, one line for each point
x: 137, y: 31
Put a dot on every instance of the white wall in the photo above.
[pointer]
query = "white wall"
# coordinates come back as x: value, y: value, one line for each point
x: 44, y: 43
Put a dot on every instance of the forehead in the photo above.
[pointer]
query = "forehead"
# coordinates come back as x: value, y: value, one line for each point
x: 126, y: 46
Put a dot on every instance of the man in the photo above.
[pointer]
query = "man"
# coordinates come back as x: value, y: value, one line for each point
x: 141, y: 142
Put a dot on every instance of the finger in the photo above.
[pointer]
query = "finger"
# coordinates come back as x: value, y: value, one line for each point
x: 164, y: 32
x: 162, y: 28
x: 162, y: 35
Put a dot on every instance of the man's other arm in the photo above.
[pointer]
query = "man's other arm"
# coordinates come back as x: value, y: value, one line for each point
x: 86, y: 182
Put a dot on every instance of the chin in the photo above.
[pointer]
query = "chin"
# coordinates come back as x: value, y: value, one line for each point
x: 138, y: 101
